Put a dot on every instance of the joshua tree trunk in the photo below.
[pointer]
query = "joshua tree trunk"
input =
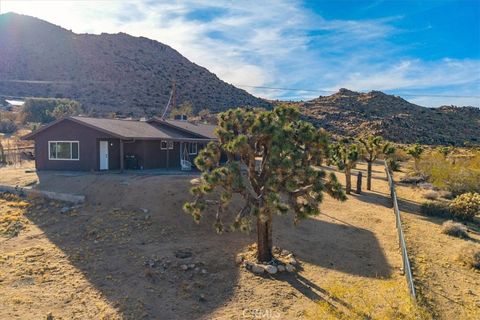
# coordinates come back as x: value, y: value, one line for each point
x: 369, y: 175
x: 348, y: 180
x: 359, y: 183
x: 264, y: 241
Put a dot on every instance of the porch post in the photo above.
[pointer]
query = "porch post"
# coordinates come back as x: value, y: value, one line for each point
x: 121, y: 156
x: 168, y: 154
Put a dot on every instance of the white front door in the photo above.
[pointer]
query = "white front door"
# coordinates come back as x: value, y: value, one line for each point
x: 103, y: 155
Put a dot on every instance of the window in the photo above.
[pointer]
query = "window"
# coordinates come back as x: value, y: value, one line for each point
x: 192, y: 147
x: 63, y: 150
x: 166, y: 144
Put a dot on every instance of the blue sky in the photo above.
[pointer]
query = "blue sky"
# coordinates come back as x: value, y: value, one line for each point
x: 429, y: 48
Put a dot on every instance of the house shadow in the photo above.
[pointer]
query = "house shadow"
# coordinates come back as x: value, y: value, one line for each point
x: 131, y: 241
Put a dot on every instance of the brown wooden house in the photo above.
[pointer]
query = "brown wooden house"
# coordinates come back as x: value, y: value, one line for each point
x: 92, y: 144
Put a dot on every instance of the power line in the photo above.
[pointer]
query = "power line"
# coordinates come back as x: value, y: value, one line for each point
x: 330, y: 91
x: 404, y: 94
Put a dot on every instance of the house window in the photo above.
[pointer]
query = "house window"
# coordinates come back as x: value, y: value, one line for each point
x: 166, y: 144
x: 63, y: 150
x: 192, y: 148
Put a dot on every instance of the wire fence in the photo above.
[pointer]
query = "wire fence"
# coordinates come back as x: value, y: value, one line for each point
x: 401, y: 238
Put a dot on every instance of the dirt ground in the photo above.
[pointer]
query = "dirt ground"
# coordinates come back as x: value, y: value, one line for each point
x: 449, y: 288
x: 119, y: 256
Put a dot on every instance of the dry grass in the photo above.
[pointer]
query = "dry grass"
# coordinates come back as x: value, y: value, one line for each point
x: 431, y: 195
x: 455, y: 229
x: 386, y: 300
x: 470, y: 256
x: 12, y: 219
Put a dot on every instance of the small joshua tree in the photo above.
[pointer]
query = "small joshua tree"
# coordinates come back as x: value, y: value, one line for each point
x: 273, y: 160
x: 345, y: 156
x: 374, y: 146
x: 416, y: 152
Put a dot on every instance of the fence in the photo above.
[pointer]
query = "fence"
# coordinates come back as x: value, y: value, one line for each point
x: 401, y: 238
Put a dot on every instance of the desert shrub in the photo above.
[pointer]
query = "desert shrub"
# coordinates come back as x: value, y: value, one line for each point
x: 470, y: 256
x: 7, y: 126
x: 458, y: 175
x: 445, y: 194
x: 431, y: 195
x: 435, y: 209
x: 46, y: 109
x: 466, y: 206
x: 455, y: 229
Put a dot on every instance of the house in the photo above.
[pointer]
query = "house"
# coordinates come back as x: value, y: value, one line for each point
x: 92, y: 144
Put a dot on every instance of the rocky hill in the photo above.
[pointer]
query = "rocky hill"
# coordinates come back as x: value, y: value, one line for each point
x: 107, y: 72
x: 350, y: 113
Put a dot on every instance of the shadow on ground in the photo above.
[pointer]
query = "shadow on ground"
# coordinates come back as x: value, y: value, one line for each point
x: 127, y: 237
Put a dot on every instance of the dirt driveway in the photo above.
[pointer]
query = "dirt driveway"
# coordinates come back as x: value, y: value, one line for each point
x: 120, y: 256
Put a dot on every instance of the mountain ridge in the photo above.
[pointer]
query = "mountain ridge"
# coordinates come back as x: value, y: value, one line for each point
x: 106, y: 72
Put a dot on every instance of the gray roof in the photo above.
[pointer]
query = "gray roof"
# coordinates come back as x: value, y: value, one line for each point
x: 135, y: 129
x: 204, y: 130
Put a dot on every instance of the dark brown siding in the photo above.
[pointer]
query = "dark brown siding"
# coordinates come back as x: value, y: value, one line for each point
x: 70, y: 131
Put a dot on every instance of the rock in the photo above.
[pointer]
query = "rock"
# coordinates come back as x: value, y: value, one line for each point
x: 289, y: 267
x: 257, y: 269
x: 191, y: 266
x: 65, y: 210
x: 271, y: 269
x: 195, y: 181
x: 144, y: 210
x: 292, y: 261
x: 281, y: 268
x: 204, y: 271
x: 184, y: 267
x: 183, y: 254
x: 202, y: 298
x: 197, y: 269
x: 285, y: 253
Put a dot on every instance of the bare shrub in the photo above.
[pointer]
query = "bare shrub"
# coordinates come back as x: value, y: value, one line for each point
x: 470, y: 256
x: 435, y: 209
x: 455, y: 229
x: 431, y: 195
x: 466, y: 206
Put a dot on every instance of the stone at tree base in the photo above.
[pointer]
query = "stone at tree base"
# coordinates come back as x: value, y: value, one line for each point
x: 281, y: 268
x: 257, y: 269
x: 289, y: 267
x: 271, y: 269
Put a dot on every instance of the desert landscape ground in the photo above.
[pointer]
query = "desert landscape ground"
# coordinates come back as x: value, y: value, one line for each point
x: 117, y: 256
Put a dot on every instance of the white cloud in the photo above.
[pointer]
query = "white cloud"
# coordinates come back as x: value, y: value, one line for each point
x: 277, y: 44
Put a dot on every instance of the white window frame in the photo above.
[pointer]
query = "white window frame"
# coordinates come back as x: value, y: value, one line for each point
x: 64, y: 141
x: 190, y: 145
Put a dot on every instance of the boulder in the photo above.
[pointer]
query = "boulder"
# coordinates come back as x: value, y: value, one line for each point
x: 257, y: 269
x: 271, y: 269
x: 289, y: 267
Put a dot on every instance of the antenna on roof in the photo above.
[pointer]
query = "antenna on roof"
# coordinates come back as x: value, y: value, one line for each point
x: 171, y: 100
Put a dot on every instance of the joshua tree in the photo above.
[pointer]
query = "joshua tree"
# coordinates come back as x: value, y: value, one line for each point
x: 416, y: 152
x: 272, y: 164
x: 374, y: 146
x: 2, y: 153
x: 345, y: 155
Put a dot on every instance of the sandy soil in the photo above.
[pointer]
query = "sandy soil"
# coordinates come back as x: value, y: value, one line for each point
x: 16, y: 175
x: 115, y: 256
x: 450, y: 289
